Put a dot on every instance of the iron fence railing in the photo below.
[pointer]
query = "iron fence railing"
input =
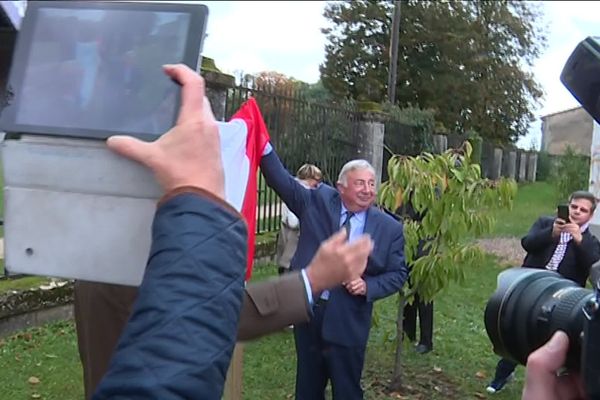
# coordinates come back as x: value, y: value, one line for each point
x: 302, y: 132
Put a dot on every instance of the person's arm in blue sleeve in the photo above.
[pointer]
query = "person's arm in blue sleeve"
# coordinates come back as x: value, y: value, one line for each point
x: 293, y: 194
x: 177, y: 342
x: 180, y: 337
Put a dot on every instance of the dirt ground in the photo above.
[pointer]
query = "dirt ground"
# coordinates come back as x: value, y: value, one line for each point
x: 508, y: 249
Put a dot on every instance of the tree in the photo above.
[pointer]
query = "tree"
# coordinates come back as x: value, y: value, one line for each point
x: 456, y: 204
x: 467, y: 61
x: 571, y: 173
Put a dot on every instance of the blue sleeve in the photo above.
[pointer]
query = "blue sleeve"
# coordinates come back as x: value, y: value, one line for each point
x: 396, y: 273
x: 180, y: 337
x: 285, y: 185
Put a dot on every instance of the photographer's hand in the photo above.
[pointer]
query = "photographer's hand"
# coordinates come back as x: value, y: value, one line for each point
x: 542, y: 381
x: 189, y: 153
x: 575, y: 231
x: 557, y: 227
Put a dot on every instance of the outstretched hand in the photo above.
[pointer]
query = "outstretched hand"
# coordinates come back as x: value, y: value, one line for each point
x: 338, y: 261
x: 189, y: 153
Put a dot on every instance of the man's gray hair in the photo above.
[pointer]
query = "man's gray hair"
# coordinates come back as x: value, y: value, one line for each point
x: 352, y: 166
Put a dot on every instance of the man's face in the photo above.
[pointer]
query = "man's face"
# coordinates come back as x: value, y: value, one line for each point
x: 359, y: 192
x: 580, y: 211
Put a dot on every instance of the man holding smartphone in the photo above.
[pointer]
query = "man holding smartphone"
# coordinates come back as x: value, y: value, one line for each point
x: 563, y: 244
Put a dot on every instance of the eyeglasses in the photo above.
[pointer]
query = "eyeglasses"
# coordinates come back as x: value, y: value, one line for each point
x: 575, y: 207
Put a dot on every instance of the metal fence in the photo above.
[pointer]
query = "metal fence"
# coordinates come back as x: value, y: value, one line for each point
x: 398, y: 139
x: 302, y: 132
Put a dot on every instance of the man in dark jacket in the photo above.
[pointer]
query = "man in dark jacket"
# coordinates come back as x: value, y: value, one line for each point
x: 567, y: 247
x: 179, y: 339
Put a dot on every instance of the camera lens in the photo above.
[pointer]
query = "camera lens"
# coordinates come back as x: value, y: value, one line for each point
x: 526, y: 309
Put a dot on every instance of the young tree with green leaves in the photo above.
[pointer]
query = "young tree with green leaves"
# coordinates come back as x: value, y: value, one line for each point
x: 457, y: 205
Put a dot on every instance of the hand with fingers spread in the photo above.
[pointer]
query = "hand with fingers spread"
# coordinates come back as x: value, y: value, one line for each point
x: 542, y: 381
x: 338, y: 261
x: 189, y: 153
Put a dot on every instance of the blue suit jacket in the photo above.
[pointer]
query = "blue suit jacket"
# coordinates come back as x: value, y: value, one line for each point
x: 347, y: 318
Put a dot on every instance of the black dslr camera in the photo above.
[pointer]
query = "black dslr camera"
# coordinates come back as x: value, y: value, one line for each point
x: 529, y: 305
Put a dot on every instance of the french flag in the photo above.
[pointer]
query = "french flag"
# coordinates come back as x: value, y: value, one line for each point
x: 243, y: 140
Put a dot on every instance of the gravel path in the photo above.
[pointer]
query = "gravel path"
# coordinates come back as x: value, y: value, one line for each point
x: 508, y: 249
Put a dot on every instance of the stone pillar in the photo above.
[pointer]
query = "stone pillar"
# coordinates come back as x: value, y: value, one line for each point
x: 440, y: 143
x: 532, y: 166
x: 522, y: 166
x: 217, y: 84
x: 509, y: 164
x: 369, y: 138
x: 496, y: 164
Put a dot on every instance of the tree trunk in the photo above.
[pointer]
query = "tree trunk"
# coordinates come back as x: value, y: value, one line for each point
x: 396, y: 382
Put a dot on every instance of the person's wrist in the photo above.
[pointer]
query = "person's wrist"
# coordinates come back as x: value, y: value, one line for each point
x: 313, y: 278
x: 212, y: 182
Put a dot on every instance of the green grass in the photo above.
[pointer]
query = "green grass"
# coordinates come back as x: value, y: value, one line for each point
x: 461, y: 352
x: 532, y: 201
x: 48, y: 354
x: 460, y: 366
x: 26, y: 282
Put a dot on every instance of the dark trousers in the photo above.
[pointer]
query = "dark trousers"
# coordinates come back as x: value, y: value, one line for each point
x: 504, y: 368
x: 425, y: 311
x: 320, y: 361
x: 101, y: 313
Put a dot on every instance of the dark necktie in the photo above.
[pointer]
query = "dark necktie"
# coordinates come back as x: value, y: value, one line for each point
x: 347, y: 224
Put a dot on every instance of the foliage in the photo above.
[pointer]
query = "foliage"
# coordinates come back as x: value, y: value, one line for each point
x: 456, y: 203
x: 544, y: 166
x: 420, y: 137
x: 41, y: 363
x: 532, y: 201
x: 571, y: 173
x: 465, y: 60
x: 476, y: 142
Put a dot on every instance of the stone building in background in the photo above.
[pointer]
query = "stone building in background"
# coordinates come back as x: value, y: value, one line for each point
x: 570, y: 127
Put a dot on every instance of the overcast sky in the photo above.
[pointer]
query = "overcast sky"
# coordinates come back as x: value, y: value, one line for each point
x: 285, y: 37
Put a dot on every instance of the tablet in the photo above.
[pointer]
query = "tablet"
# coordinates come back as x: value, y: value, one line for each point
x: 92, y: 69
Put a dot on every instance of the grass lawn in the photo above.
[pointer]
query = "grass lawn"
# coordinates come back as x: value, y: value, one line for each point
x: 459, y: 367
x: 532, y: 201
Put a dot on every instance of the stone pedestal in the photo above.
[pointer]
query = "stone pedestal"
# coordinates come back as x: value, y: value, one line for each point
x: 509, y: 164
x: 496, y: 165
x: 522, y: 166
x: 440, y: 143
x: 369, y: 137
x: 217, y: 84
x: 532, y: 167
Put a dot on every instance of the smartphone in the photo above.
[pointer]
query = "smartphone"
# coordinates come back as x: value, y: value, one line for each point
x: 562, y: 212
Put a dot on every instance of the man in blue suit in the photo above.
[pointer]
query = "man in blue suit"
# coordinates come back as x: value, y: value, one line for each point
x: 332, y: 345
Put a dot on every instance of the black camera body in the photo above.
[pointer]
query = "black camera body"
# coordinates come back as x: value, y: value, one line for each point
x: 530, y: 305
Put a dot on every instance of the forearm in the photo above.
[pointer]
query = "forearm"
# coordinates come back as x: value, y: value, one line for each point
x: 285, y: 185
x: 538, y: 237
x: 185, y: 318
x: 272, y: 305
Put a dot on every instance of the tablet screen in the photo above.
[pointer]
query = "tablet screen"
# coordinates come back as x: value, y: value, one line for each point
x: 96, y: 71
